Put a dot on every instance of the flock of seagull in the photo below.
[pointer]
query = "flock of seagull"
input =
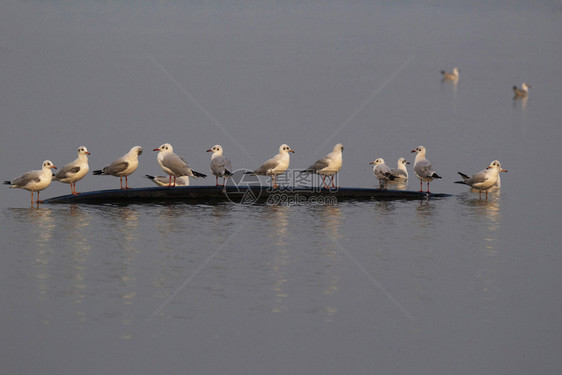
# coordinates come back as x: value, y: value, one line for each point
x: 178, y: 170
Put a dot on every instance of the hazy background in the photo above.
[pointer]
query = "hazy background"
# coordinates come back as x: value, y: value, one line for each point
x: 454, y: 285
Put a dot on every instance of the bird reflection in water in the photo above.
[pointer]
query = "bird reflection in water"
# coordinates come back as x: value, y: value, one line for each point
x: 280, y: 263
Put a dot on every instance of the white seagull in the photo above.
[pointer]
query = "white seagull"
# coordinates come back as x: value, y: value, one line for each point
x: 451, y: 76
x: 74, y: 171
x: 485, y: 179
x: 174, y: 165
x: 522, y: 92
x: 122, y: 167
x: 422, y: 167
x: 220, y: 165
x: 382, y: 172
x: 276, y: 165
x: 163, y: 180
x: 329, y: 165
x: 36, y: 180
x: 400, y: 173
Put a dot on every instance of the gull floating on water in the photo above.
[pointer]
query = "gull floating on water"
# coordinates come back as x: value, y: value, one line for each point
x: 382, y: 172
x: 174, y: 165
x: 522, y: 92
x: 122, y: 167
x: 328, y: 165
x: 422, y: 168
x: 276, y: 165
x: 74, y: 171
x: 36, y: 180
x: 163, y: 180
x: 400, y: 173
x: 451, y: 76
x: 485, y: 179
x: 220, y: 165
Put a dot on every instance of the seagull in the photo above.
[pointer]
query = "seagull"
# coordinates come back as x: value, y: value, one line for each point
x: 382, y: 172
x: 74, y: 171
x: 400, y: 173
x: 485, y: 179
x: 220, y: 166
x: 328, y: 165
x: 36, y: 180
x: 422, y: 167
x: 276, y: 165
x: 163, y: 180
x: 122, y: 167
x: 174, y: 165
x: 522, y: 92
x: 451, y: 76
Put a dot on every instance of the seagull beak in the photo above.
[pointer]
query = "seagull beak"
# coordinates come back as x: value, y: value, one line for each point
x: 291, y: 151
x: 372, y: 162
x: 209, y: 150
x: 413, y: 150
x: 156, y: 149
x: 503, y: 170
x: 53, y: 167
x: 407, y: 162
x: 88, y: 153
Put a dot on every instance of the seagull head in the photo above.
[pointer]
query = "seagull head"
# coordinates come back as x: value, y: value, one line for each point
x: 82, y: 150
x: 166, y: 147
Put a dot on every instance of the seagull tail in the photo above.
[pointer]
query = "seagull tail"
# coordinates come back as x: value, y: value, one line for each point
x: 465, y: 177
x: 149, y: 176
x: 97, y: 173
x: 7, y: 182
x: 435, y: 175
x: 228, y: 173
x: 197, y: 174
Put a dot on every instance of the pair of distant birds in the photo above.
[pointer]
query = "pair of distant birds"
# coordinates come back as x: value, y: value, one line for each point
x: 520, y: 93
x: 422, y: 168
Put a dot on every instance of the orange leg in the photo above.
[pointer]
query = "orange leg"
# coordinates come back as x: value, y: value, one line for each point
x: 333, y: 176
x: 126, y: 183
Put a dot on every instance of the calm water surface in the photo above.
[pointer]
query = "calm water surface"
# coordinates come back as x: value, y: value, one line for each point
x: 458, y: 285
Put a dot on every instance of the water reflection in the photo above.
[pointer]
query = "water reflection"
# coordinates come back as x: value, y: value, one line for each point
x: 331, y: 218
x: 277, y: 221
x: 485, y: 233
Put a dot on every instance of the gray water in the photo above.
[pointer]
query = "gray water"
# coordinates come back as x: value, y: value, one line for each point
x: 457, y: 285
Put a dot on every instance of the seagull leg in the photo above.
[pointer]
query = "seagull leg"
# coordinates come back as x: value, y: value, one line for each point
x: 421, y: 187
x: 427, y: 186
x: 333, y: 185
x: 121, y: 181
x: 217, y: 181
x: 169, y: 180
x: 324, y: 181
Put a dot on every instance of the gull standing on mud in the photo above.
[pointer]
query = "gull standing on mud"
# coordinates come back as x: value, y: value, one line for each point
x: 382, y: 172
x: 485, y: 179
x: 276, y: 165
x: 122, y: 167
x: 174, y: 165
x: 36, y: 180
x: 400, y: 173
x: 74, y: 171
x: 423, y: 168
x: 329, y: 165
x: 220, y: 165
